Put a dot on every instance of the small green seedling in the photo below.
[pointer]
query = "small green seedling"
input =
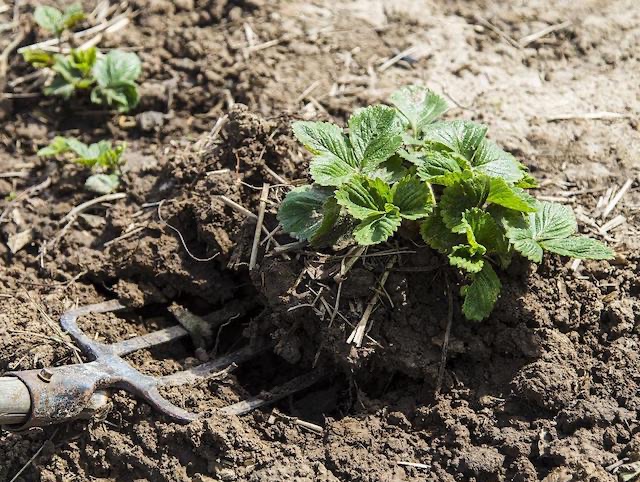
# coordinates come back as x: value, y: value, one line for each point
x: 401, y: 165
x: 103, y: 159
x: 73, y: 72
x: 56, y: 21
x: 111, y: 77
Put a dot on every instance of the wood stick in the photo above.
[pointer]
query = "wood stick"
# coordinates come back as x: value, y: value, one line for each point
x: 445, y: 342
x: 256, y: 237
x: 48, y: 44
x: 524, y: 41
x: 616, y: 199
x: 357, y: 335
x: 396, y: 58
x: 71, y: 215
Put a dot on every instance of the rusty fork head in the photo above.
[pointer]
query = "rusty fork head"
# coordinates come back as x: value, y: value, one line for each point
x: 62, y: 393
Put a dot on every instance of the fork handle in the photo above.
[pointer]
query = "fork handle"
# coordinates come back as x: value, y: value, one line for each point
x: 15, y: 402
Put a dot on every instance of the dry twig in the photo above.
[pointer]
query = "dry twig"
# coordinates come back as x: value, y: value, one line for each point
x: 259, y: 225
x: 35, y: 456
x: 358, y: 334
x: 445, y: 342
x: 616, y: 199
x: 528, y: 39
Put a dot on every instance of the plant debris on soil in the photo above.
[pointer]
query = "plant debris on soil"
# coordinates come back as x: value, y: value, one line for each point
x: 546, y: 389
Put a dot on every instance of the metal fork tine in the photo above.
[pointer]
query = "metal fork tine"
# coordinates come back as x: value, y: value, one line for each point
x: 207, y: 369
x: 150, y: 339
x: 292, y: 386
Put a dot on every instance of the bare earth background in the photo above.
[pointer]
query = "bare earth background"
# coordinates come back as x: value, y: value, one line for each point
x: 546, y: 389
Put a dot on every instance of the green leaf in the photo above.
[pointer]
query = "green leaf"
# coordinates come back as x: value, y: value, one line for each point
x: 482, y: 230
x: 108, y: 158
x: 552, y: 221
x: 467, y: 258
x: 84, y: 60
x: 363, y: 197
x: 413, y: 198
x: 461, y: 196
x: 437, y: 167
x: 375, y: 135
x: 390, y: 170
x: 102, y: 183
x: 333, y: 226
x: 437, y: 235
x: 419, y: 105
x: 330, y: 171
x: 501, y: 193
x: 553, y: 228
x: 629, y: 472
x: 73, y: 72
x: 38, y: 58
x: 527, y: 181
x: 58, y: 145
x: 377, y: 228
x: 124, y: 96
x: 84, y: 151
x: 116, y: 74
x: 468, y: 140
x: 72, y: 15
x: 60, y: 87
x: 578, y: 247
x: 49, y: 18
x: 481, y: 295
x: 101, y: 154
x: 117, y: 67
x: 324, y: 139
x: 414, y: 157
x: 302, y: 211
x: 493, y: 161
x: 333, y: 164
x: 462, y: 137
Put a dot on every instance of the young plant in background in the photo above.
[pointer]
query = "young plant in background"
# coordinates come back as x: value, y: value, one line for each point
x: 104, y: 160
x: 110, y: 78
x: 401, y: 165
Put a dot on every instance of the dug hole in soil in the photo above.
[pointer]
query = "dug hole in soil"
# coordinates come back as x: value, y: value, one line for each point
x: 545, y: 389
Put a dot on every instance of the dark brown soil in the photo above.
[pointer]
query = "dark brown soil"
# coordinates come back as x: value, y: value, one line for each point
x: 546, y: 389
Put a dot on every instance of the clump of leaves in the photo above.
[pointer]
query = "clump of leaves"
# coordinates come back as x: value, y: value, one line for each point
x: 111, y: 78
x: 400, y: 164
x: 102, y: 158
x: 56, y: 21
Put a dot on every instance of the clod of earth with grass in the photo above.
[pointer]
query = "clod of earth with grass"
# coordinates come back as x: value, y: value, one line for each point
x: 400, y: 165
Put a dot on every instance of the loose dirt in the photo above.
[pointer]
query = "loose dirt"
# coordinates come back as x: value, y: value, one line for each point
x: 546, y: 389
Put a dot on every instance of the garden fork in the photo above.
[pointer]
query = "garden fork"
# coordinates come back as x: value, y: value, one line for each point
x: 59, y: 394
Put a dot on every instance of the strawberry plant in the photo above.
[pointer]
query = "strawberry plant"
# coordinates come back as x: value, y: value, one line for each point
x: 399, y: 165
x: 111, y: 78
x: 102, y: 158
